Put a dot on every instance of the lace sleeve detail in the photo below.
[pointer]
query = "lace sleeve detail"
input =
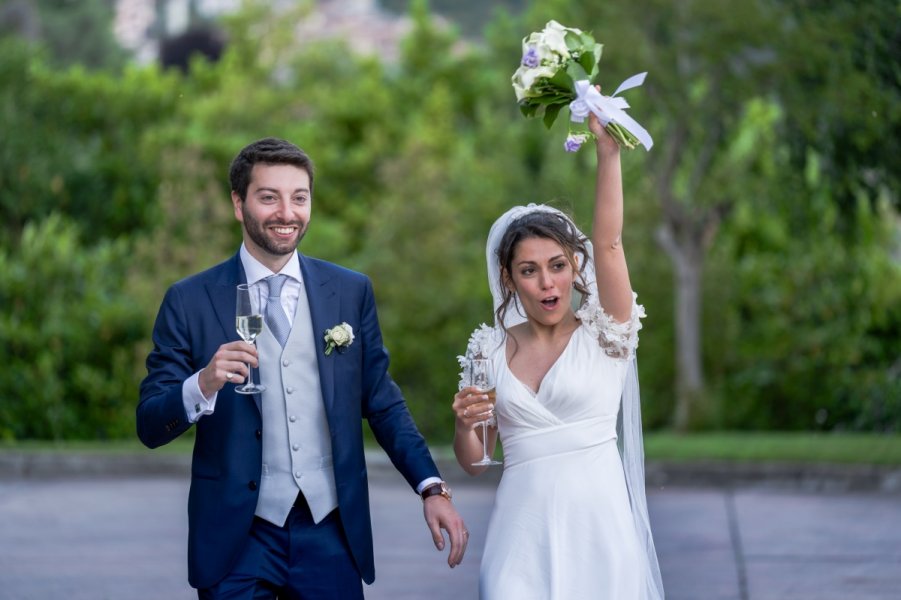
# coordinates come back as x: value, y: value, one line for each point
x: 619, y: 340
x: 482, y: 344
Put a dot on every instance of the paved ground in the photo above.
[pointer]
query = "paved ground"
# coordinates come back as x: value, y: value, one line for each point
x: 94, y: 538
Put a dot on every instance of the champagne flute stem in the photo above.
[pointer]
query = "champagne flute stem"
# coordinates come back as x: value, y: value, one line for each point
x: 250, y: 371
x: 485, y: 440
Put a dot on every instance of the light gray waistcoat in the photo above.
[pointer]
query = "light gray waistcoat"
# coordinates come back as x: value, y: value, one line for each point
x: 297, y: 448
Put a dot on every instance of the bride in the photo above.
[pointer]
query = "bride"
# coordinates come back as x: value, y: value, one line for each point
x: 570, y: 517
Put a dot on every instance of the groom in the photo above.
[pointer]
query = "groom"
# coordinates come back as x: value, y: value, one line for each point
x: 279, y: 501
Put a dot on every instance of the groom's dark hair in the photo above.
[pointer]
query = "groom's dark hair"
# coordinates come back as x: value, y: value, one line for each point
x: 268, y: 151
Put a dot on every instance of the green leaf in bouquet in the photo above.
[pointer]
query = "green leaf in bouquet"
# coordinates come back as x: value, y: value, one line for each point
x: 563, y: 81
x: 589, y: 43
x: 550, y: 114
x: 598, y: 50
x: 545, y: 86
x: 587, y: 62
x: 545, y: 100
x: 576, y: 72
x: 573, y: 41
x: 528, y: 109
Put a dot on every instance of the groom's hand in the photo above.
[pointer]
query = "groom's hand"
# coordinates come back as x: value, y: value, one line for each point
x: 228, y: 365
x: 440, y: 514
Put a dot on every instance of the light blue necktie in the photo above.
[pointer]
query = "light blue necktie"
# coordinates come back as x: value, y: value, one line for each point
x: 276, y: 319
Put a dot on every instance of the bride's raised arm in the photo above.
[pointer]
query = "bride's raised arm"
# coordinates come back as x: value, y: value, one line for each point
x: 614, y: 289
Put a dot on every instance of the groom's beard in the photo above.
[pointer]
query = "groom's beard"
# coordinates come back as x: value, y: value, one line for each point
x: 259, y: 233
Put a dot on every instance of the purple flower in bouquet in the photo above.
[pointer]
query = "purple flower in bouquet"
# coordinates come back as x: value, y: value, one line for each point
x: 530, y: 58
x: 574, y: 141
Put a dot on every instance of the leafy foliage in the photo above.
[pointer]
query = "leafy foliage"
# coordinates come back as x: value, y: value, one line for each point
x: 61, y: 28
x: 71, y: 143
x: 414, y: 161
x: 68, y: 336
x: 813, y: 332
x: 845, y: 102
x: 734, y: 86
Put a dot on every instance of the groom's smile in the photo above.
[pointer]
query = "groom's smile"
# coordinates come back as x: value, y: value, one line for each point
x: 285, y: 233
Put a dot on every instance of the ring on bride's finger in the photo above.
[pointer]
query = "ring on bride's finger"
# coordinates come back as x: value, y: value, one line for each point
x: 229, y: 375
x: 466, y: 412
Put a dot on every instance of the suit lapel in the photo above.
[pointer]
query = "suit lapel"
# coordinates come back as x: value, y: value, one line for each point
x: 322, y: 295
x: 222, y: 296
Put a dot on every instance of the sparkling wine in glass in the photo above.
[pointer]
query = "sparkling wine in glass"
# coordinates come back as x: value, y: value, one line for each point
x: 481, y: 377
x: 249, y: 323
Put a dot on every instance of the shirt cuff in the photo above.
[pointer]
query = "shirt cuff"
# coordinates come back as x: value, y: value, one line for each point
x: 426, y: 483
x: 196, y: 405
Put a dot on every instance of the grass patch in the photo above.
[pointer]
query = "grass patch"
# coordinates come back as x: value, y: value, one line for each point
x: 181, y: 445
x: 847, y: 448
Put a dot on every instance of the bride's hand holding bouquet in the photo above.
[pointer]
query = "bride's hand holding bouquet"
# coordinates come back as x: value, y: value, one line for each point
x: 559, y: 68
x: 606, y: 144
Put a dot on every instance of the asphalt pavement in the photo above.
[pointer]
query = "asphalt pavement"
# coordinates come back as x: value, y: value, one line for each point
x: 100, y: 533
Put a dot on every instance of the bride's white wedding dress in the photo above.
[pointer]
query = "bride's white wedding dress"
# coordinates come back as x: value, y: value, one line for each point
x: 562, y: 526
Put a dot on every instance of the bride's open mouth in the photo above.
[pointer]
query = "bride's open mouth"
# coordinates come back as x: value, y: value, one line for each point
x: 551, y: 302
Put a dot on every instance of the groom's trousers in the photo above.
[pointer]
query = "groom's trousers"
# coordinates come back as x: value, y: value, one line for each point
x: 300, y: 561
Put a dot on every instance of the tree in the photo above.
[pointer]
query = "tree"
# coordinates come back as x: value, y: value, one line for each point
x: 75, y: 33
x: 809, y: 325
x: 440, y: 187
x: 724, y: 80
x: 842, y: 99
x: 67, y: 336
x: 786, y: 268
x: 71, y: 143
x: 709, y: 62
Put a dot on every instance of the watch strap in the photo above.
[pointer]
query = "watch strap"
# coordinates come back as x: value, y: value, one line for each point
x: 436, y: 489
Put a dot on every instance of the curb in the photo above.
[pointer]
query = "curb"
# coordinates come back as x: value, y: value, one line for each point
x: 62, y: 465
x: 812, y: 477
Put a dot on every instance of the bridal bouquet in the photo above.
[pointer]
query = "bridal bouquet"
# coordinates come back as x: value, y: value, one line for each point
x: 558, y: 69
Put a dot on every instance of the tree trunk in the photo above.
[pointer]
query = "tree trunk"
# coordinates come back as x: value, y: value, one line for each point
x: 687, y: 255
x: 685, y: 233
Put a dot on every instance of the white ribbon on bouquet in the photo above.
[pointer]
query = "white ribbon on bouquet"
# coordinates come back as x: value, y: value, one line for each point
x: 609, y: 108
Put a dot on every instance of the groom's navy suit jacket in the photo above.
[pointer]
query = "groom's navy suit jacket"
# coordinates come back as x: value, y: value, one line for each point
x: 196, y: 317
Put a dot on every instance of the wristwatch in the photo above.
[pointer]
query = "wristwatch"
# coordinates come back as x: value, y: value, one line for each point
x: 436, y: 489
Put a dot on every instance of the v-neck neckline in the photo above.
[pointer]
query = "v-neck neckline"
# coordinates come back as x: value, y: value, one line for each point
x: 535, y: 393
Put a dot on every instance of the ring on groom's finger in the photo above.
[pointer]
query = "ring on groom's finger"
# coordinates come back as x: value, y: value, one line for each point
x: 229, y: 375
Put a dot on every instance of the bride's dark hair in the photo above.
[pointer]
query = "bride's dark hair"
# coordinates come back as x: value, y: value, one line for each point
x: 547, y: 225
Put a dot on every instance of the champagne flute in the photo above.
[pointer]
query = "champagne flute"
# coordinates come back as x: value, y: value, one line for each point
x: 249, y: 323
x: 481, y: 377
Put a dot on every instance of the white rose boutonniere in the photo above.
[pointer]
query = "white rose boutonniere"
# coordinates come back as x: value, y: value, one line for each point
x: 340, y: 337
